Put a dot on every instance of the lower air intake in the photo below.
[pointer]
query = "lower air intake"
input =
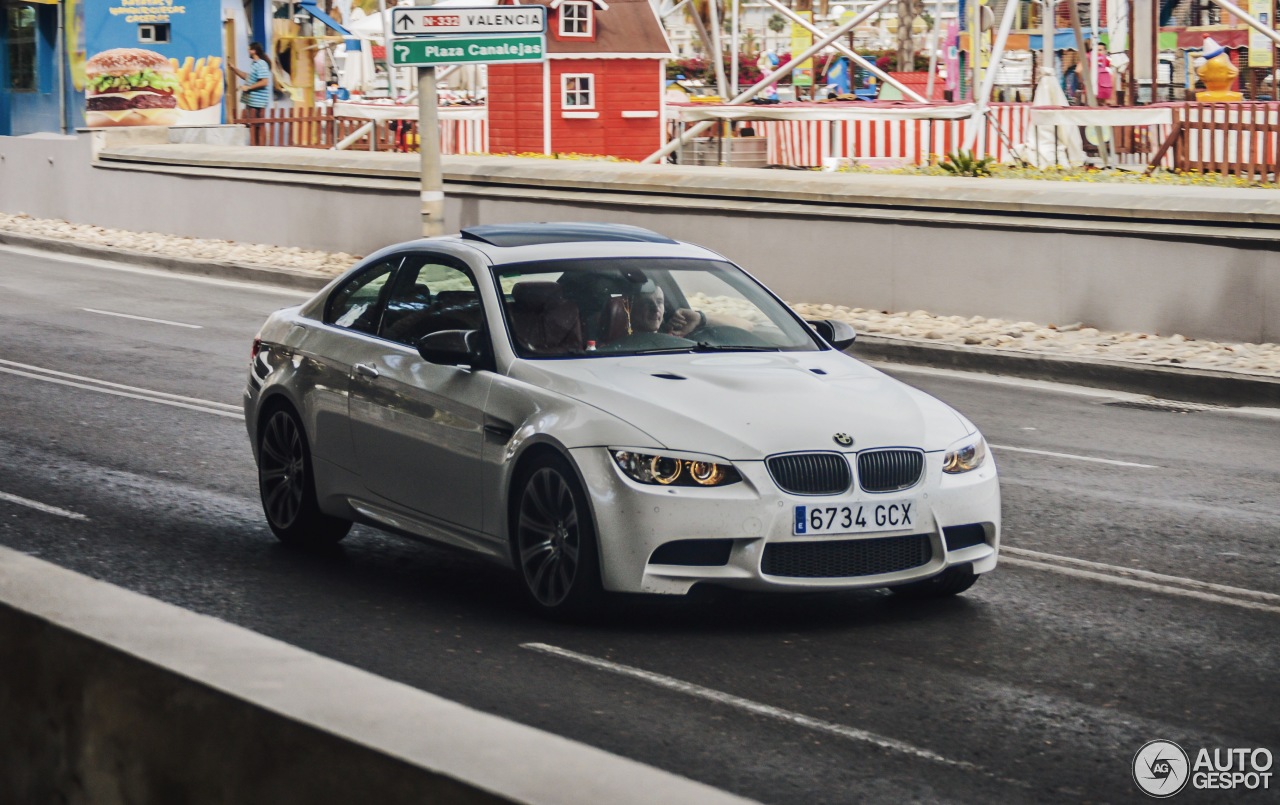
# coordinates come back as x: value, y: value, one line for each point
x: 846, y: 558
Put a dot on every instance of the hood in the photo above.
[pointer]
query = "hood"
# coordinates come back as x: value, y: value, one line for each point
x: 745, y: 406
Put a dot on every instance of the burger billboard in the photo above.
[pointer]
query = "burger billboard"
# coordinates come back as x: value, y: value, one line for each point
x: 130, y: 87
x: 153, y: 63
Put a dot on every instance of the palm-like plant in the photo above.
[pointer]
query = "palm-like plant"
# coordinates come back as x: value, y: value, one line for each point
x: 964, y: 163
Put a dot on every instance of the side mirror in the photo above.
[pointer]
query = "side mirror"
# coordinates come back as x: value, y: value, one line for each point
x: 451, y: 348
x: 838, y: 334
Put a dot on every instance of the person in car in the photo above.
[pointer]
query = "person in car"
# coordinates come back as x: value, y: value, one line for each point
x: 648, y: 315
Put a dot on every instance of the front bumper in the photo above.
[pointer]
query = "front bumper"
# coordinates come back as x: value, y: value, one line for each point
x: 633, y: 520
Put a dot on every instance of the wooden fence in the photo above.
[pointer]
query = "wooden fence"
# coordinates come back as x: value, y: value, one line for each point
x: 320, y: 128
x: 1240, y: 139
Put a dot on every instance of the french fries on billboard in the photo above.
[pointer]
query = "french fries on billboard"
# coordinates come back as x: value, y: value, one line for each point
x: 200, y: 82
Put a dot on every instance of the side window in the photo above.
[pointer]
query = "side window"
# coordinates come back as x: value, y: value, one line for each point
x: 355, y: 305
x: 432, y: 293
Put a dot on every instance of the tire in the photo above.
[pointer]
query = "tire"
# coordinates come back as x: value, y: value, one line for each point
x: 286, y: 483
x: 553, y: 540
x: 949, y: 582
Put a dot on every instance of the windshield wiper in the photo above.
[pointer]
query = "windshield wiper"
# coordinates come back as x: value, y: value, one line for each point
x: 657, y: 350
x: 703, y: 346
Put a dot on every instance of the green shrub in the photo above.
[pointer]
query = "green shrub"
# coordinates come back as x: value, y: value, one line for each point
x: 963, y: 163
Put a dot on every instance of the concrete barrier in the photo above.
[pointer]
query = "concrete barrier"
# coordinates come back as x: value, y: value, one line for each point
x: 110, y: 697
x: 1204, y: 262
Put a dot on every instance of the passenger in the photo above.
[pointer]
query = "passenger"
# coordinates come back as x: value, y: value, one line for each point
x: 648, y: 315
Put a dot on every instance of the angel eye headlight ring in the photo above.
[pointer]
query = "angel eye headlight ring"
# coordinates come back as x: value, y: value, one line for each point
x: 706, y: 473
x: 665, y: 470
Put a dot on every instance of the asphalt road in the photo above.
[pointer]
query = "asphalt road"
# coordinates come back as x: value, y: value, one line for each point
x: 1138, y: 597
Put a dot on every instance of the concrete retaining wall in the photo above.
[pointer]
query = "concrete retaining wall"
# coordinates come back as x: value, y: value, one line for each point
x: 1196, y: 261
x: 109, y: 697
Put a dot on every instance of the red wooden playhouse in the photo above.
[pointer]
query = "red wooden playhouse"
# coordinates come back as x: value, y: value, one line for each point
x: 599, y: 92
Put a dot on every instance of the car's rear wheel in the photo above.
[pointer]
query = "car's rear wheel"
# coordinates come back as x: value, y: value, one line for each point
x: 286, y: 481
x: 554, y: 540
x: 949, y: 582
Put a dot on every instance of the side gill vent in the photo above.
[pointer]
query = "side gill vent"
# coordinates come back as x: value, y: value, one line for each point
x: 669, y: 376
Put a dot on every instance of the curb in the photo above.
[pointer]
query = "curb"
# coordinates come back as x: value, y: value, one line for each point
x: 220, y: 269
x: 1169, y: 382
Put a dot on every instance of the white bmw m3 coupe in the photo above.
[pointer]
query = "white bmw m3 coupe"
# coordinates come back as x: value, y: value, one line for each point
x: 602, y: 409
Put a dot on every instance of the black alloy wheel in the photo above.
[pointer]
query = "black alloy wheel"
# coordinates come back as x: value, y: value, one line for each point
x: 555, y: 544
x: 287, y: 485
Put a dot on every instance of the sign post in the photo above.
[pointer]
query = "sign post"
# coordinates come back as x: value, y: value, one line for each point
x: 425, y: 37
x: 432, y: 191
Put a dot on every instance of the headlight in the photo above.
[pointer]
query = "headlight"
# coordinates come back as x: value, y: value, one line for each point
x: 968, y: 454
x: 669, y: 471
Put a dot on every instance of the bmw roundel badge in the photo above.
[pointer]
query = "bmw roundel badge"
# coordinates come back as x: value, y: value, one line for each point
x: 843, y: 439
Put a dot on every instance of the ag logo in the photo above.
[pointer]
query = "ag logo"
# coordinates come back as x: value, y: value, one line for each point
x: 843, y: 439
x: 1161, y: 769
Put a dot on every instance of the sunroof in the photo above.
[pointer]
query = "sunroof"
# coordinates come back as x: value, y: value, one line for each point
x: 506, y: 235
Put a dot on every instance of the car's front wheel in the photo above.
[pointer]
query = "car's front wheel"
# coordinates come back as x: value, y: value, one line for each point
x: 554, y: 540
x: 952, y: 581
x: 286, y: 481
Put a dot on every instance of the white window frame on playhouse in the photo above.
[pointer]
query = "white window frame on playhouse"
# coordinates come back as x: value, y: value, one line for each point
x: 589, y: 19
x: 590, y: 91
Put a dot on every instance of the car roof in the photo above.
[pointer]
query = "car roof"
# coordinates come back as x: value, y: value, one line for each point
x: 508, y: 244
x: 507, y: 235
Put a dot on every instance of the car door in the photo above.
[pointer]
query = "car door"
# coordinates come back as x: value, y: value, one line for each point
x: 418, y: 427
x: 351, y: 316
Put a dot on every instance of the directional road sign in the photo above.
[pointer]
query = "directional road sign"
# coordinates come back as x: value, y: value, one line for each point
x: 409, y: 21
x: 430, y: 51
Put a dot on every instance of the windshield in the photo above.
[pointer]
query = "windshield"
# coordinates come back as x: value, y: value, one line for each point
x: 637, y: 306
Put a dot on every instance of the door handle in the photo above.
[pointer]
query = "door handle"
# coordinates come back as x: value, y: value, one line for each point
x: 366, y: 370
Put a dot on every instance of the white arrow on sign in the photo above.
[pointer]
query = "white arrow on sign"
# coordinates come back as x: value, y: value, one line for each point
x: 402, y: 52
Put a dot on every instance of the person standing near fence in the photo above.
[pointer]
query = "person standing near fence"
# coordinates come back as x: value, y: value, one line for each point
x: 1105, y: 86
x: 256, y: 93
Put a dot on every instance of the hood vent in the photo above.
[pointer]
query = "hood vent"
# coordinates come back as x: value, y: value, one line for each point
x: 669, y: 376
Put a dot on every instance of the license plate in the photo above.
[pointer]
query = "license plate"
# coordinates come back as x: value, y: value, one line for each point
x: 855, y: 518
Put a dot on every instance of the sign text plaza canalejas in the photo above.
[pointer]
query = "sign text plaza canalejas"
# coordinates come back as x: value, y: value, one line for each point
x: 430, y: 36
x: 468, y: 49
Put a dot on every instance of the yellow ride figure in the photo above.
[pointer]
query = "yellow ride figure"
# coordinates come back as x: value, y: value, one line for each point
x: 1217, y: 72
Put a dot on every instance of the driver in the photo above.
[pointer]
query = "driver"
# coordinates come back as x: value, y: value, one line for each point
x: 648, y: 314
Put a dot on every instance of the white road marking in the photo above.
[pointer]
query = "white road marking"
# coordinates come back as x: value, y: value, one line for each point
x: 756, y: 708
x: 165, y: 394
x: 120, y: 390
x: 1050, y: 385
x: 1073, y: 457
x: 43, y: 507
x: 156, y: 272
x: 142, y: 318
x: 1142, y: 574
x: 1138, y: 584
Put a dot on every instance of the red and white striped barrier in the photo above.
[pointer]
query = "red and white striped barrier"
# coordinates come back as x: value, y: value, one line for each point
x: 465, y: 133
x: 911, y: 132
